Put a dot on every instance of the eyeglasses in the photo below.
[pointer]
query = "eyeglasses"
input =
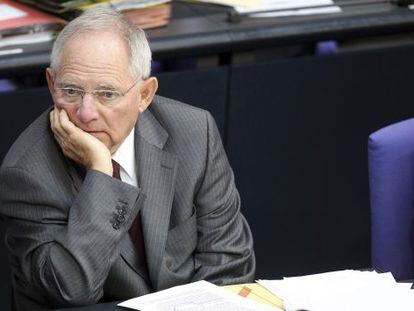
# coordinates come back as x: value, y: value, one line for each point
x: 74, y: 96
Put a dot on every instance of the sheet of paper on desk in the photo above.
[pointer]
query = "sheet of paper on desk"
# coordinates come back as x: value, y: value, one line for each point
x: 198, y: 296
x: 234, y: 3
x: 290, y: 8
x: 27, y: 39
x: 7, y: 12
x: 343, y: 291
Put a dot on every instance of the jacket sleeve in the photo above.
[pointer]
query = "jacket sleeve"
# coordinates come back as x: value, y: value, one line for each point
x: 224, y: 252
x: 59, y: 252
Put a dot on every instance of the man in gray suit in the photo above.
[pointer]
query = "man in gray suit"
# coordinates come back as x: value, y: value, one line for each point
x: 116, y: 192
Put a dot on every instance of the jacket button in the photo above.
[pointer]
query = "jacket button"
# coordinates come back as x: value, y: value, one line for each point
x: 121, y: 210
x: 120, y: 218
x: 116, y: 225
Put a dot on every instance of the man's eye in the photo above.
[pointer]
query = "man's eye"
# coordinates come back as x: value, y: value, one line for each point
x: 71, y: 92
x: 108, y: 95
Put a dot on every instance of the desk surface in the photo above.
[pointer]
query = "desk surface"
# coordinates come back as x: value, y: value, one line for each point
x: 110, y: 306
x: 204, y: 29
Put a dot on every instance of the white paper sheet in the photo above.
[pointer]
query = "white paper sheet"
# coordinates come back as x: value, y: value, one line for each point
x: 198, y: 296
x: 234, y: 3
x: 8, y: 12
x: 11, y: 51
x: 301, y: 12
x: 292, y: 7
x: 27, y: 39
x: 343, y: 291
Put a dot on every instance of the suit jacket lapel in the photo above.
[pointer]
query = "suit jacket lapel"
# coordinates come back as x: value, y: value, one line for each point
x: 156, y: 170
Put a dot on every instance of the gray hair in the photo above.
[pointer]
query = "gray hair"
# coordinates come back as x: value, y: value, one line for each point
x: 105, y: 19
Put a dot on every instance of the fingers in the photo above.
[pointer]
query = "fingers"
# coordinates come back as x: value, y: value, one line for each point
x: 53, y: 125
x: 66, y: 124
x: 56, y: 124
x: 52, y: 119
x: 60, y: 133
x: 61, y: 121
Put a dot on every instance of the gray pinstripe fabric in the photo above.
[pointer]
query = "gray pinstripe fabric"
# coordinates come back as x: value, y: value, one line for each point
x: 63, y: 248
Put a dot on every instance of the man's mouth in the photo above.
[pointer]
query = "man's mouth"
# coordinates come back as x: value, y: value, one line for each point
x: 95, y: 133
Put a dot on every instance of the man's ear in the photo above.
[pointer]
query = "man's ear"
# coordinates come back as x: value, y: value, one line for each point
x: 148, y: 87
x: 50, y: 81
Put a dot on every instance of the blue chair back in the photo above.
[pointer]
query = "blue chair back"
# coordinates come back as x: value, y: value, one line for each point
x: 391, y: 177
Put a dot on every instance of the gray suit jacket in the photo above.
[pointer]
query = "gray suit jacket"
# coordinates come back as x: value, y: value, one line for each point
x: 63, y: 246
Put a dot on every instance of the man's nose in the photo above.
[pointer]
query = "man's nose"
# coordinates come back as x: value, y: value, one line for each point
x: 88, y: 111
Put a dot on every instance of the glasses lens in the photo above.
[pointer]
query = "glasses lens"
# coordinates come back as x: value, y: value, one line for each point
x: 108, y: 97
x: 70, y: 95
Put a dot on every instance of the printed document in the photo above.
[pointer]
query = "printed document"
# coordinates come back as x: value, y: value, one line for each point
x: 198, y: 296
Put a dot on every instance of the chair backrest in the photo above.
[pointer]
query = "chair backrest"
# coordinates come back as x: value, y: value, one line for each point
x: 391, y: 177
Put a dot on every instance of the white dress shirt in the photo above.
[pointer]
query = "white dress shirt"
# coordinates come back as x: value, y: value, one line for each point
x: 125, y: 156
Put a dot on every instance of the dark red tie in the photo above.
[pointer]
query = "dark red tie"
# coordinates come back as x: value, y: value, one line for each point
x: 136, y: 229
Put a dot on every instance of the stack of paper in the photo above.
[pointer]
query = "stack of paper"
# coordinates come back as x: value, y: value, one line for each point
x: 343, y: 291
x: 19, y: 19
x: 21, y: 26
x: 144, y: 13
x: 151, y: 17
x: 198, y: 296
x: 289, y: 8
x: 122, y: 5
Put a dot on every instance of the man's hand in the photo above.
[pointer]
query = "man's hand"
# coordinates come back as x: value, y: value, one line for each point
x: 78, y: 145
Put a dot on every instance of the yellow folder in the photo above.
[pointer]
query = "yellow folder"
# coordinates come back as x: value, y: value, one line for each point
x: 256, y: 292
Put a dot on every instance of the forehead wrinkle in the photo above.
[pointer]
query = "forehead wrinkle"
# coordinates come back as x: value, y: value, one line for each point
x: 98, y: 73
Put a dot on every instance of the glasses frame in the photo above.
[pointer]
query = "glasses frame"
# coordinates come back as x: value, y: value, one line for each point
x: 95, y: 93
